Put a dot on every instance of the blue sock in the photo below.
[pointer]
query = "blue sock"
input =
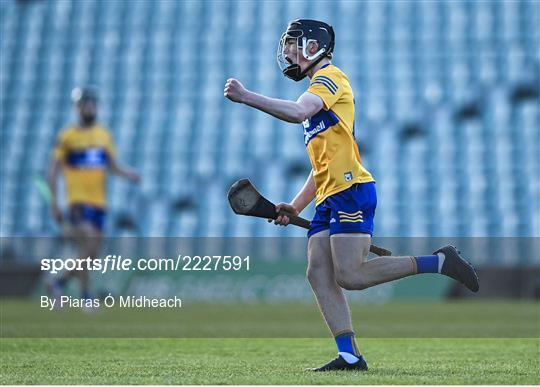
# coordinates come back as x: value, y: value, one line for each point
x: 346, y: 343
x: 61, y: 282
x: 427, y: 263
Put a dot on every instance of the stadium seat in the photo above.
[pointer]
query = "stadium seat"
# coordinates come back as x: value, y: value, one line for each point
x: 161, y: 94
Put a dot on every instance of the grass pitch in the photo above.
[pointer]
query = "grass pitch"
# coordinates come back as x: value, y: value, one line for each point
x: 265, y: 361
x: 410, y: 359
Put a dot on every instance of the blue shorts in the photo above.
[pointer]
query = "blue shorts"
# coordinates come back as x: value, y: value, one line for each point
x: 349, y: 211
x: 85, y: 213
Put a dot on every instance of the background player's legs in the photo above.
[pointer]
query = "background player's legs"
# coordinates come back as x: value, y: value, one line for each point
x: 329, y: 295
x: 89, y: 242
x: 354, y: 272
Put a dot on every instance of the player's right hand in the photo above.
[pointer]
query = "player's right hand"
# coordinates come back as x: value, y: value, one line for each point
x: 234, y: 90
x: 57, y: 213
x: 282, y: 219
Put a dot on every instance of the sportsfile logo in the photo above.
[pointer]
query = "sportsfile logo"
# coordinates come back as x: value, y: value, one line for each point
x: 309, y: 134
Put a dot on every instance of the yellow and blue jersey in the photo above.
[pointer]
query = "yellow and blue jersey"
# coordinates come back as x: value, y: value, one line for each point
x: 85, y: 154
x: 329, y: 135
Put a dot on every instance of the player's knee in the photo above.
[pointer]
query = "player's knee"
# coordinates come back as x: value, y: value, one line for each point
x: 351, y: 280
x: 319, y: 271
x: 346, y: 282
x: 352, y: 284
x: 344, y: 278
x: 314, y: 273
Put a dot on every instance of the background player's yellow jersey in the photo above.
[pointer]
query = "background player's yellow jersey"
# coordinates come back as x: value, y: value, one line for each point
x: 85, y: 154
x: 329, y: 135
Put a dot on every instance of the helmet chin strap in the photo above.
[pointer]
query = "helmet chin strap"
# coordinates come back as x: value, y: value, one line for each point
x: 295, y: 72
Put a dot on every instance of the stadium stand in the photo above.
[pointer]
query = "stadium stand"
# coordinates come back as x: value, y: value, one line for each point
x: 447, y: 97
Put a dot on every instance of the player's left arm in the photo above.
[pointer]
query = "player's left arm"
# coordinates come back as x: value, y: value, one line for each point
x: 305, y: 107
x: 115, y: 167
x: 124, y: 172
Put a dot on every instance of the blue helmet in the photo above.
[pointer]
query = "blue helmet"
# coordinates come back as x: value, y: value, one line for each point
x: 305, y: 31
x: 83, y: 94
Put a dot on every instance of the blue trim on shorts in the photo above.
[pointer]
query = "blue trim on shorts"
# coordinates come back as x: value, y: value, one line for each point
x: 348, y: 211
x: 86, y: 213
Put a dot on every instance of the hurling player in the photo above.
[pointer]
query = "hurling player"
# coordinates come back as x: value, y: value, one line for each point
x: 343, y: 189
x: 84, y: 152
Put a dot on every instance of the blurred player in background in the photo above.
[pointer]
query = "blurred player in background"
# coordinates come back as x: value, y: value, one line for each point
x: 344, y: 191
x: 84, y: 152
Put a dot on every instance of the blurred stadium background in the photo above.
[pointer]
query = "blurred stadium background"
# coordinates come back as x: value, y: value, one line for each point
x: 447, y: 95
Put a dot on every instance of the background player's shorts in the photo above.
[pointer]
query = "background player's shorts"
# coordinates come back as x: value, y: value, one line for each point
x: 84, y: 213
x: 349, y: 211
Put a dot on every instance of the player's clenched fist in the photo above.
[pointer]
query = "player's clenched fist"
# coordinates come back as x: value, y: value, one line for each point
x: 234, y: 90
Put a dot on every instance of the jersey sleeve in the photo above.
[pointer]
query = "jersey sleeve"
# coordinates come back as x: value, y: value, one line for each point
x: 327, y: 87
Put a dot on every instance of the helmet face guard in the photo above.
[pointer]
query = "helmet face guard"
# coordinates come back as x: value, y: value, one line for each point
x: 304, y: 32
